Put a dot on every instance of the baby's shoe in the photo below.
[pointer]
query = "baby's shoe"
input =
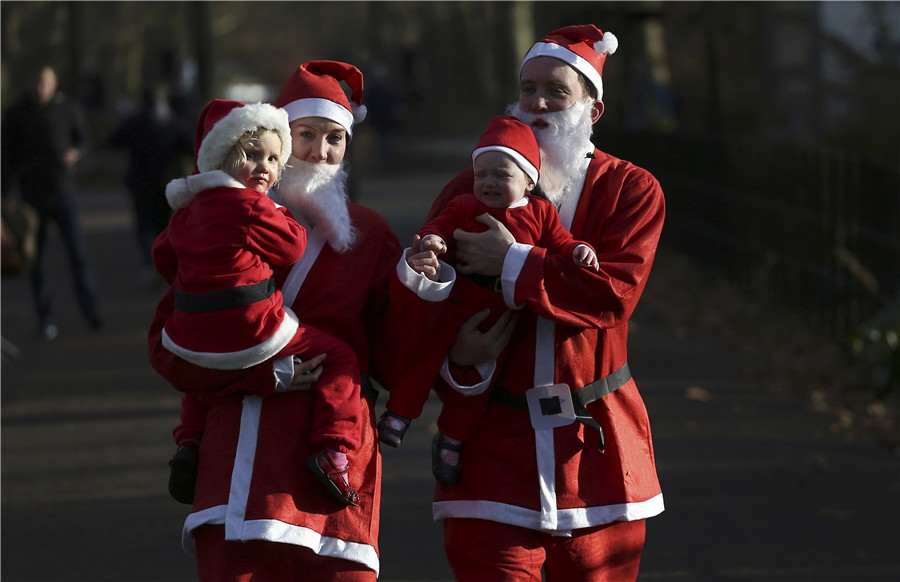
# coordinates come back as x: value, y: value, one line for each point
x: 392, y: 428
x: 445, y: 459
x: 183, y: 475
x: 333, y: 478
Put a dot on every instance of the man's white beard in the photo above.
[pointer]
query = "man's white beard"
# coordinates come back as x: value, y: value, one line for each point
x: 564, y: 144
x: 317, y: 193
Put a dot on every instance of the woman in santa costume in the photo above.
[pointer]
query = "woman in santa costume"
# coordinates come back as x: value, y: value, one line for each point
x: 218, y: 253
x: 560, y: 475
x: 506, y: 164
x: 257, y: 513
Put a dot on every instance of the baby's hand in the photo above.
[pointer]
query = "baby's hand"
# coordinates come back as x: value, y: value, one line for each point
x: 422, y: 259
x: 434, y: 244
x: 585, y: 257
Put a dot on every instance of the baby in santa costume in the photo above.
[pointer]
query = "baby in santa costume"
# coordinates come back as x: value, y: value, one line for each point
x: 507, y: 164
x: 218, y: 253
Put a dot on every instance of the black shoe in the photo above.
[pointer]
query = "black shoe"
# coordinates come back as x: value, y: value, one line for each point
x: 183, y: 475
x: 95, y: 323
x: 443, y: 471
x: 389, y: 435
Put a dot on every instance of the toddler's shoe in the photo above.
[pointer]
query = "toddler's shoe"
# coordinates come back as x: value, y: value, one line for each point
x: 442, y: 470
x: 392, y: 428
x: 333, y: 478
x: 183, y: 475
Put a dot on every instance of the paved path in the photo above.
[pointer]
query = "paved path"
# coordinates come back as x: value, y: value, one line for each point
x: 756, y: 487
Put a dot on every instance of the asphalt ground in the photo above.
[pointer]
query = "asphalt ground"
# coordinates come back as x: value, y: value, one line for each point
x: 757, y: 487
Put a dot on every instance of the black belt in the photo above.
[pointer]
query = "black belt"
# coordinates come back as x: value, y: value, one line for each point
x: 219, y: 299
x: 581, y: 397
x: 486, y: 281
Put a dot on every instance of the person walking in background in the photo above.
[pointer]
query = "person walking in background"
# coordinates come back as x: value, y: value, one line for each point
x: 560, y: 475
x: 44, y: 135
x: 158, y: 145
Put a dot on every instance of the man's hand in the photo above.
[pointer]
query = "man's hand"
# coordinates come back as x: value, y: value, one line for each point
x: 474, y: 347
x: 306, y: 373
x: 483, y: 252
x: 421, y: 260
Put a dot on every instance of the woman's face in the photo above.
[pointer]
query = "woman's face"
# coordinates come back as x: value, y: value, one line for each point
x: 318, y: 140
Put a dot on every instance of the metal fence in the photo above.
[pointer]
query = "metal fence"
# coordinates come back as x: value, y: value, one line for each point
x: 816, y: 229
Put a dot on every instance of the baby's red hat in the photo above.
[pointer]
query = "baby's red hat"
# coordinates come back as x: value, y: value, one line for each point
x: 512, y: 137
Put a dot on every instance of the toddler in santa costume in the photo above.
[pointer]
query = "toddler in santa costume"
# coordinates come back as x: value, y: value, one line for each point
x: 507, y: 164
x: 218, y: 253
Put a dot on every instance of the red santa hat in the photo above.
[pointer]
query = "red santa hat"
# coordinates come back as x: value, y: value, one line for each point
x: 584, y: 47
x: 314, y: 90
x: 223, y: 122
x: 515, y: 139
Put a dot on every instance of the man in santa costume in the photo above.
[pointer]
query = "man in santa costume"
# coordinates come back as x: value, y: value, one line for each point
x: 560, y: 474
x: 257, y: 513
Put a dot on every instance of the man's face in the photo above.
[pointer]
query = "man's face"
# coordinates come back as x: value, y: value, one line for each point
x: 547, y: 85
x: 318, y: 140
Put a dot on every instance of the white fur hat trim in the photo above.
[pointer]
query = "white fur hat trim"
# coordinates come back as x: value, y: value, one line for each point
x: 225, y: 133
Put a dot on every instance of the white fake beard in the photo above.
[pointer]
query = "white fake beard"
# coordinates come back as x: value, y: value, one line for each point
x: 318, y: 194
x: 564, y: 143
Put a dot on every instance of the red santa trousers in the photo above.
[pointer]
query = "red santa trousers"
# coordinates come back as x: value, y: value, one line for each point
x: 488, y: 551
x: 219, y: 560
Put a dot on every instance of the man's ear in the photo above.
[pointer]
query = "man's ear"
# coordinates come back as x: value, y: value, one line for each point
x: 596, y: 111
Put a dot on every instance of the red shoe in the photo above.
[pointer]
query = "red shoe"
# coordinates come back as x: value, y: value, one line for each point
x: 333, y: 478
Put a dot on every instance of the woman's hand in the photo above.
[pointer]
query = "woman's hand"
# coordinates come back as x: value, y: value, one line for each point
x: 306, y: 373
x: 474, y: 347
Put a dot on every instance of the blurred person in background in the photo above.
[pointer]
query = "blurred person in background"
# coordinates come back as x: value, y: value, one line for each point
x: 560, y: 476
x: 44, y: 135
x: 159, y: 145
x: 256, y: 514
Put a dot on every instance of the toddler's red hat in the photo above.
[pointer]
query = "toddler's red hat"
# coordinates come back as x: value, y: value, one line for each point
x: 515, y: 139
x: 223, y: 122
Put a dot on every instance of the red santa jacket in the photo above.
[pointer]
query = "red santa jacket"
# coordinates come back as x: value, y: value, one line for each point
x: 531, y: 220
x: 218, y: 252
x: 574, y: 331
x: 252, y: 476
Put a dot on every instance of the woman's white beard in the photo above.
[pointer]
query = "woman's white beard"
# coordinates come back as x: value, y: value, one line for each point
x: 317, y: 193
x: 564, y: 143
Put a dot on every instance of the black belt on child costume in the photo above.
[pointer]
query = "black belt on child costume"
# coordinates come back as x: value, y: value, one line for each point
x: 219, y: 299
x: 581, y: 397
x: 486, y: 281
